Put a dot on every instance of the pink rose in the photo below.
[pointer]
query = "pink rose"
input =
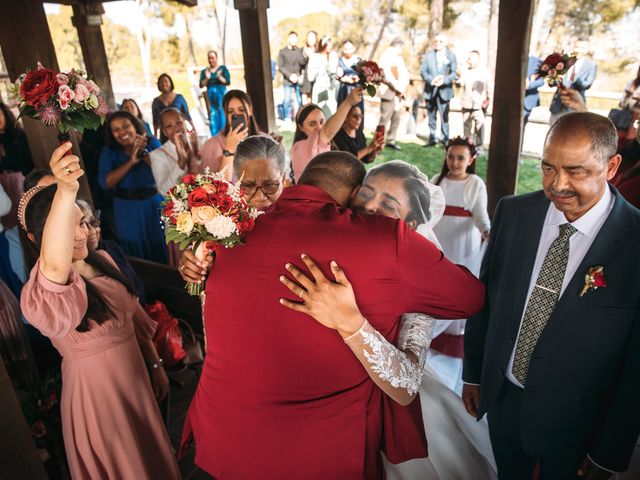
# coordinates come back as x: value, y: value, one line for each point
x: 93, y: 88
x: 81, y: 93
x: 552, y: 72
x: 65, y: 95
x: 560, y: 66
x: 62, y: 78
x: 544, y: 68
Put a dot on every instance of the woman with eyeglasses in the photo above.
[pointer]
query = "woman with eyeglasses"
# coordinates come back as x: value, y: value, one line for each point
x: 259, y: 162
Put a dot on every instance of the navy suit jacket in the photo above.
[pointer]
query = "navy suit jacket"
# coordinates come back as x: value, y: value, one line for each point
x: 583, y: 381
x: 582, y: 82
x: 429, y: 71
x: 531, y: 95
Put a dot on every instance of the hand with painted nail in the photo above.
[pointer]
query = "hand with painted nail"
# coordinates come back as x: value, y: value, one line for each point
x: 192, y: 269
x: 331, y: 302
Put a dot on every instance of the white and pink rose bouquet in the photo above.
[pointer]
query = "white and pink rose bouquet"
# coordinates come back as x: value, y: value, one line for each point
x: 62, y: 100
x: 554, y: 67
x: 205, y: 211
x: 370, y: 74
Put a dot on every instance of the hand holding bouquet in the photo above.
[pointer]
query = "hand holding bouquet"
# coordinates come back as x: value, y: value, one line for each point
x: 206, y: 211
x: 61, y: 100
x: 369, y: 74
x: 554, y: 67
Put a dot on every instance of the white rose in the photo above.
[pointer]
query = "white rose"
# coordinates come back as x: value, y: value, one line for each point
x: 220, y: 227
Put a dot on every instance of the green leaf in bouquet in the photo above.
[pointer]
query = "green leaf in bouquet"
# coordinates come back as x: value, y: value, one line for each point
x: 371, y: 90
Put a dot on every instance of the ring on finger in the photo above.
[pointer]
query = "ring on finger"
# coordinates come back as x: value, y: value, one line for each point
x: 68, y: 171
x: 302, y: 291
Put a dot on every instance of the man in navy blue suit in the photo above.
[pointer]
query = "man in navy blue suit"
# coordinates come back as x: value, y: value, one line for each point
x: 554, y: 356
x: 532, y: 83
x: 438, y: 71
x: 580, y: 77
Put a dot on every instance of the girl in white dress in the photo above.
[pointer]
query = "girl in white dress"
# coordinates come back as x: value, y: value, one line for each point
x: 462, y: 231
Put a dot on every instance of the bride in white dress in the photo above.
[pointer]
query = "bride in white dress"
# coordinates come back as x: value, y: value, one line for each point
x: 459, y: 447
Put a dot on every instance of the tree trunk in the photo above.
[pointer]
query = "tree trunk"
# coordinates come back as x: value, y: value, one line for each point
x: 492, y: 50
x: 437, y: 19
x: 385, y: 22
x: 144, y: 41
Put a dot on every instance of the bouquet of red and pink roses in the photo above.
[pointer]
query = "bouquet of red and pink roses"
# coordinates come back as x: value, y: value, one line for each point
x: 370, y: 75
x: 205, y: 211
x: 554, y: 67
x: 62, y: 100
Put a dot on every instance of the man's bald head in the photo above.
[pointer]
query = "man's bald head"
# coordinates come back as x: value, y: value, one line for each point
x: 337, y: 173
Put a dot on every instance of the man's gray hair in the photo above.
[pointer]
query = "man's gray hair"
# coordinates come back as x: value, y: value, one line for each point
x: 601, y: 131
x: 259, y: 146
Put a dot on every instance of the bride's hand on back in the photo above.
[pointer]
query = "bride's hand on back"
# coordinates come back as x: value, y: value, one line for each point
x: 331, y: 303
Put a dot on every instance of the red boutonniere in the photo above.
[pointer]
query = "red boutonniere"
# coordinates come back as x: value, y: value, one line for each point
x: 593, y: 280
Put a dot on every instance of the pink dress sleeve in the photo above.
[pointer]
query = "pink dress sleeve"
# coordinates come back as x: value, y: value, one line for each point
x: 54, y: 309
x: 144, y: 325
x: 304, y: 150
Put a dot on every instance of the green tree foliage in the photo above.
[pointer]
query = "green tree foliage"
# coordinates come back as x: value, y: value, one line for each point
x: 321, y: 22
x: 586, y: 17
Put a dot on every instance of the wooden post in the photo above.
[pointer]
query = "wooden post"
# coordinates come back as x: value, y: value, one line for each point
x: 514, y: 30
x: 25, y: 40
x: 257, y: 59
x: 87, y: 18
x: 19, y: 457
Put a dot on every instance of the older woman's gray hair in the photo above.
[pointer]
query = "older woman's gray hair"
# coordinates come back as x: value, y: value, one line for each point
x: 259, y: 147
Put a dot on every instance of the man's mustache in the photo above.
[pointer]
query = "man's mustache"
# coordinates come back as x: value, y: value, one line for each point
x: 562, y: 193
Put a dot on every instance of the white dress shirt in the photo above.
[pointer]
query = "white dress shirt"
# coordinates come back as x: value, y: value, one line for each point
x: 587, y: 226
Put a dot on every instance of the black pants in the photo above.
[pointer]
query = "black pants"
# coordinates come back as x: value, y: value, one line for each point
x: 436, y: 105
x: 506, y: 440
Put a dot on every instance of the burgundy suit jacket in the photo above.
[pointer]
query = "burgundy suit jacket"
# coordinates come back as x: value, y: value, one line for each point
x: 282, y: 396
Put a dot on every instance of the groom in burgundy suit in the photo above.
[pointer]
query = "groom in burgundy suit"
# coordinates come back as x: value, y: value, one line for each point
x: 282, y: 396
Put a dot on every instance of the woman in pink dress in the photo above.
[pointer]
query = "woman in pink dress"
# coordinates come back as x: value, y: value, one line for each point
x: 79, y: 299
x: 314, y: 135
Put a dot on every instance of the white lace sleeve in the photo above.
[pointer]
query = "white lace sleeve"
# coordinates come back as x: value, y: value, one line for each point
x: 396, y: 370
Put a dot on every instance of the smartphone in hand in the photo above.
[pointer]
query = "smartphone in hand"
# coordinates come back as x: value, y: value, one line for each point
x: 237, y: 120
x: 379, y: 135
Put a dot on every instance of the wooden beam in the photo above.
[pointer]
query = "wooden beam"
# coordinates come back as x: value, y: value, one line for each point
x: 19, y: 457
x: 87, y: 18
x: 257, y: 59
x: 514, y: 31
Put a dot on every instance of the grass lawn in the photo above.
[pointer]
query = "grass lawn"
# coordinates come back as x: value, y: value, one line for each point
x: 429, y: 160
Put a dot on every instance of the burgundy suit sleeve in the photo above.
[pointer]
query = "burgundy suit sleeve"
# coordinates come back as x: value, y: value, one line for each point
x: 432, y: 284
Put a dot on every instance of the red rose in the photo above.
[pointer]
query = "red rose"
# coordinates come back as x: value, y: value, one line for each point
x: 222, y: 187
x: 189, y: 179
x: 224, y: 203
x: 554, y: 58
x: 198, y: 198
x: 168, y: 209
x: 598, y: 280
x: 38, y: 86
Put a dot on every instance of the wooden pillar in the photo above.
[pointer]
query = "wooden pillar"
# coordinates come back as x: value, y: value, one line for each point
x: 19, y: 457
x: 514, y: 31
x: 25, y: 40
x: 257, y: 59
x: 87, y: 18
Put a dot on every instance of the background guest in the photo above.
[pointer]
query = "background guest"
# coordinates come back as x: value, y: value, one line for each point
x: 532, y: 83
x: 476, y: 87
x: 217, y: 153
x: 579, y: 77
x: 313, y: 135
x: 167, y: 98
x: 439, y: 67
x: 125, y: 168
x: 310, y: 47
x: 216, y: 78
x: 345, y: 74
x: 350, y: 138
x: 15, y: 162
x: 322, y: 68
x: 131, y: 106
x: 627, y: 180
x: 392, y: 92
x: 291, y: 61
x: 631, y: 101
x: 463, y: 227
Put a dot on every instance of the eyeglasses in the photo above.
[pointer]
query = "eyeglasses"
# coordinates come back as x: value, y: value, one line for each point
x: 268, y: 188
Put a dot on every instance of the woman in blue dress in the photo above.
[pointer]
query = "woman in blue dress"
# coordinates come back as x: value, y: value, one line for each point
x: 167, y: 98
x: 125, y: 168
x: 216, y: 78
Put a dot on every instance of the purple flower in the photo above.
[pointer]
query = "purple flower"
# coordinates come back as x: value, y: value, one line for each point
x: 49, y: 115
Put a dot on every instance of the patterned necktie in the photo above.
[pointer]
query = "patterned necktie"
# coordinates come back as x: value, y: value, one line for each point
x: 542, y: 301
